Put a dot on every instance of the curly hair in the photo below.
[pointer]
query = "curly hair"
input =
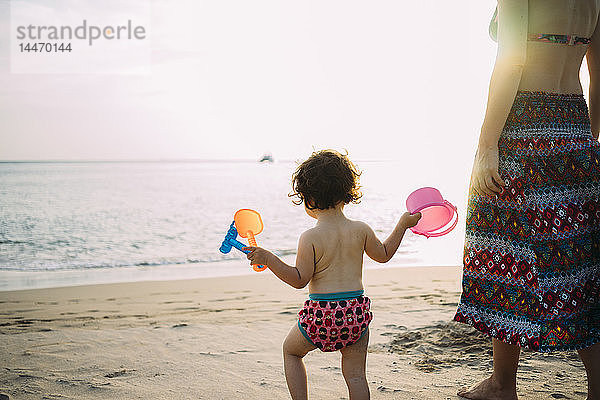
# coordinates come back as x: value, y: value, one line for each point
x: 325, y: 179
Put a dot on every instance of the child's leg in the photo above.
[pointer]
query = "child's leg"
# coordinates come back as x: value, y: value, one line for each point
x: 354, y: 360
x: 295, y: 347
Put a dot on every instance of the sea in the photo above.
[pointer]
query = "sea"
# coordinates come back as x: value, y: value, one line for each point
x: 76, y: 223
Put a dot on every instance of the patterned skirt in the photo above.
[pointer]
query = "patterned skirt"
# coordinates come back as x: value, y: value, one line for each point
x: 532, y: 253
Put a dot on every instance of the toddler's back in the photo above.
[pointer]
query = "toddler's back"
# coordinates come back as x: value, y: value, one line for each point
x: 338, y: 247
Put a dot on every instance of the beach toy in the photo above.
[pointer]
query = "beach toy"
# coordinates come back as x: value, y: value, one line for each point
x: 247, y: 223
x: 230, y: 241
x: 436, y: 213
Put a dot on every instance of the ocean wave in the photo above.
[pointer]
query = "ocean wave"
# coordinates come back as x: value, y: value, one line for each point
x: 8, y: 241
x: 207, y: 259
x: 133, y: 264
x: 285, y: 252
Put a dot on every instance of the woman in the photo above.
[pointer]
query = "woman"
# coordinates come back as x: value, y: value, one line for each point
x: 532, y: 246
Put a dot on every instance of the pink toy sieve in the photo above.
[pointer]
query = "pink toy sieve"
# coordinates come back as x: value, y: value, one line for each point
x: 436, y: 213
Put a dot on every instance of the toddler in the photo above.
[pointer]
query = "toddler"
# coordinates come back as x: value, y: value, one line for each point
x: 329, y: 259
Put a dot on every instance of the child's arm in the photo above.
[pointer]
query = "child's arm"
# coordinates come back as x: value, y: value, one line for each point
x: 297, y: 276
x: 383, y: 252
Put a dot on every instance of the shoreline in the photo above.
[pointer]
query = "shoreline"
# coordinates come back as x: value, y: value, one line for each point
x: 28, y: 280
x: 220, y: 338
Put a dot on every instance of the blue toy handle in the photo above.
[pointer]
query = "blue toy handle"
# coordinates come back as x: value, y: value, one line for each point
x: 230, y: 241
x: 238, y: 245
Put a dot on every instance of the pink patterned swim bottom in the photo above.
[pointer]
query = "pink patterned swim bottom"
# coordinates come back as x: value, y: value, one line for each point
x: 332, y: 321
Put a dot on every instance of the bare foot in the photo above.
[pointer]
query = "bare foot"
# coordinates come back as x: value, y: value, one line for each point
x: 489, y: 390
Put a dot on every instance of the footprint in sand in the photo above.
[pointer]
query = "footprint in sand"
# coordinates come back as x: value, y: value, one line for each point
x: 440, y: 346
x: 116, y: 374
x: 558, y: 396
x: 386, y: 389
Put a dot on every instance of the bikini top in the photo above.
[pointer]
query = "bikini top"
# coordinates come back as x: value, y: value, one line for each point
x: 569, y: 40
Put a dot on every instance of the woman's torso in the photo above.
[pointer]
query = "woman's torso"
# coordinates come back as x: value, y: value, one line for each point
x: 554, y: 67
x: 338, y: 257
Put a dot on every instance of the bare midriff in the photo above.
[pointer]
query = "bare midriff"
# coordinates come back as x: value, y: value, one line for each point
x: 552, y: 67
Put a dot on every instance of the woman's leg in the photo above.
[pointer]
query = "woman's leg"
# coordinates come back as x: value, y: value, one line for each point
x: 502, y: 385
x: 295, y: 347
x: 591, y: 359
x: 354, y: 360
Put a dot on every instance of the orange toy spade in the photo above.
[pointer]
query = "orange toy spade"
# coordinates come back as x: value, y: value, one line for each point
x: 248, y: 224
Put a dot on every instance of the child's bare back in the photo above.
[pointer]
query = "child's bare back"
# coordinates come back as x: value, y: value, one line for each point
x: 338, y: 246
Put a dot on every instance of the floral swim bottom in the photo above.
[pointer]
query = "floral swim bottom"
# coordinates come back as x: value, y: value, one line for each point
x: 332, y: 321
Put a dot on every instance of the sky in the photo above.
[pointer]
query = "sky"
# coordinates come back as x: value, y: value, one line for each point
x: 233, y: 79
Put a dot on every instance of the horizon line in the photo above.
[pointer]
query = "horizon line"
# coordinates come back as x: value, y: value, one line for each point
x: 141, y: 160
x: 159, y: 160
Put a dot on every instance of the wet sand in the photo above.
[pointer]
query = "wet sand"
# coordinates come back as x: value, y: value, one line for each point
x: 220, y: 338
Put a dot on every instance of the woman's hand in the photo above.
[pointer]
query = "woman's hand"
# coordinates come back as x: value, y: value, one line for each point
x: 485, y: 178
x: 258, y: 255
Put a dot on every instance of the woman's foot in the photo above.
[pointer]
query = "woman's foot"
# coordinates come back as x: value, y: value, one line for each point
x: 488, y: 389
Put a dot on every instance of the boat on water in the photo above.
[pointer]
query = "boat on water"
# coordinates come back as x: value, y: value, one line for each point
x: 267, y: 157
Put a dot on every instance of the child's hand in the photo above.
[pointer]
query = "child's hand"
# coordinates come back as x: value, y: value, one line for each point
x: 258, y: 255
x: 409, y: 220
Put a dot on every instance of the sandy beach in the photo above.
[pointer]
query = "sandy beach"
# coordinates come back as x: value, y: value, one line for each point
x: 220, y: 338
